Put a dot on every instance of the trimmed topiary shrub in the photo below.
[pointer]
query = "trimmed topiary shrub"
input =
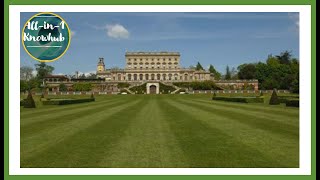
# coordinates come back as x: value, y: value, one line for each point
x: 29, y: 102
x: 292, y: 102
x: 240, y: 99
x: 274, y: 100
x: 92, y: 96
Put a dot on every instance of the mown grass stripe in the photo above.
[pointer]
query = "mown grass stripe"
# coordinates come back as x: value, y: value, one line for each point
x: 87, y: 146
x: 273, y: 123
x: 281, y: 149
x: 256, y: 107
x: 43, y: 123
x: 56, y: 108
x: 37, y: 143
x: 148, y: 142
x: 206, y: 146
x: 71, y: 110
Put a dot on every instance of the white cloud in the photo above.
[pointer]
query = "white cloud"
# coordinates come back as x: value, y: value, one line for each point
x: 117, y: 31
x: 85, y: 73
x: 89, y: 72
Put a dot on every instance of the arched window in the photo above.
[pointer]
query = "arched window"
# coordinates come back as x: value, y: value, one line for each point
x: 158, y: 76
x: 170, y: 77
x: 135, y: 77
x: 175, y: 76
x: 152, y: 76
x: 147, y: 76
x: 164, y: 76
x: 119, y: 77
x: 141, y: 77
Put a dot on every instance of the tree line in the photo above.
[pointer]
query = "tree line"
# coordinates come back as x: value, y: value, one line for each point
x: 279, y: 71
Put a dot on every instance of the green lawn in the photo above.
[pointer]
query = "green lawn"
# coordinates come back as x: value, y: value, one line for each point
x: 160, y: 131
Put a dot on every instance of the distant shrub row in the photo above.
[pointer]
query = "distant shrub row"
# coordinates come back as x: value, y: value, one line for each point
x: 292, y: 102
x: 240, y: 99
x: 66, y: 101
x: 198, y: 85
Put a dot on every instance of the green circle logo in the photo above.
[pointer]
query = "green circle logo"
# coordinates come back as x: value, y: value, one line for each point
x: 46, y: 37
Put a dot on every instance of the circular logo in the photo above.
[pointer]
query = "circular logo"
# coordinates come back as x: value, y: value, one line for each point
x: 46, y: 37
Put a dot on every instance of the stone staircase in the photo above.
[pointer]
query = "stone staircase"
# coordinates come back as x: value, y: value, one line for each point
x: 171, y: 84
x: 127, y: 89
x: 177, y: 89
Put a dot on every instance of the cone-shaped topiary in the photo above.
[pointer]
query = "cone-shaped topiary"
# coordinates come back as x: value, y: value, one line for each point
x: 274, y: 98
x: 29, y: 102
x: 92, y: 97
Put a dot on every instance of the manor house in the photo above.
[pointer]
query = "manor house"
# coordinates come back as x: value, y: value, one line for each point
x: 151, y: 66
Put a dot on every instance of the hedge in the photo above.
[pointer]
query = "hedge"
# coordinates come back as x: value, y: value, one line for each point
x: 284, y: 99
x: 292, y: 102
x: 66, y: 101
x: 198, y: 85
x: 240, y: 99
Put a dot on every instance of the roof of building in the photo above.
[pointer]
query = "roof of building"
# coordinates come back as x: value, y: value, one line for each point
x: 55, y: 76
x: 150, y: 53
x: 100, y: 62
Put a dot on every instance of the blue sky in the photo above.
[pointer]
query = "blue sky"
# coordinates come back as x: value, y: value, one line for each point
x: 219, y: 39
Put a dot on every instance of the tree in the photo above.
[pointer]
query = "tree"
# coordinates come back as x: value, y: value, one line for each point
x: 248, y: 71
x: 281, y: 72
x: 91, y: 76
x: 62, y: 87
x: 216, y: 74
x: 274, y: 98
x: 234, y: 73
x: 26, y: 73
x: 43, y: 70
x: 199, y: 66
x: 82, y: 76
x: 23, y: 86
x: 82, y: 87
x: 228, y: 74
x: 284, y: 57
